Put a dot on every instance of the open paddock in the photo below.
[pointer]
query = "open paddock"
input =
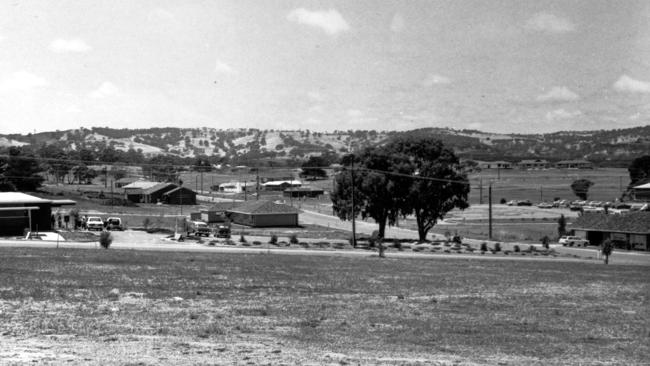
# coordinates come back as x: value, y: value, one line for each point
x: 96, y: 306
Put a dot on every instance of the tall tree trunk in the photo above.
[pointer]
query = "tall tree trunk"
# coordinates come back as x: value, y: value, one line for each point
x: 382, y: 226
x: 422, y: 231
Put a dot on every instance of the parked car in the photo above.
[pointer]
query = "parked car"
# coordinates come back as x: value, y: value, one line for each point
x: 512, y: 203
x: 573, y: 241
x: 114, y: 223
x: 223, y: 231
x: 95, y: 223
x: 524, y: 203
x: 198, y: 228
x: 545, y: 205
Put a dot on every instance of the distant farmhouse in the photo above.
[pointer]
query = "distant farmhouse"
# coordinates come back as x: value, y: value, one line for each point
x: 630, y: 230
x: 235, y: 187
x: 574, y: 164
x: 20, y: 211
x: 499, y: 164
x: 281, y: 185
x: 534, y: 164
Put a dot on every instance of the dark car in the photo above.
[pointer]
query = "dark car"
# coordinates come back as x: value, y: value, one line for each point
x: 114, y: 223
x: 524, y: 203
x: 222, y: 231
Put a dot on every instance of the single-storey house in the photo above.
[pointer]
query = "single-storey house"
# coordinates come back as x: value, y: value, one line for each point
x: 299, y: 192
x: 499, y: 164
x: 281, y: 185
x: 534, y: 164
x: 179, y: 196
x: 641, y: 192
x: 155, y: 194
x: 236, y: 187
x: 631, y: 230
x: 574, y: 164
x: 263, y: 214
x: 19, y: 211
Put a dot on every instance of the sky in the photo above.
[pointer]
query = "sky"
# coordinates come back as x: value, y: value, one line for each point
x: 520, y: 66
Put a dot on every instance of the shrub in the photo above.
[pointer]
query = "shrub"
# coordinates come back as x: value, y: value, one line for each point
x: 497, y: 247
x: 293, y: 239
x: 257, y: 242
x: 397, y: 244
x: 516, y: 248
x: 503, y: 201
x: 484, y: 247
x: 105, y: 239
x: 242, y: 239
x: 146, y: 222
x: 274, y: 239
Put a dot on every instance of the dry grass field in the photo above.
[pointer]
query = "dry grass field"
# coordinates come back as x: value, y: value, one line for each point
x: 129, y: 307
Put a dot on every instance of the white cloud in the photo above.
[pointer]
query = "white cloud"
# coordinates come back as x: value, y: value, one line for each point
x: 329, y: 21
x: 162, y: 14
x: 354, y: 113
x: 22, y: 81
x: 627, y: 84
x: 434, y: 79
x: 397, y: 24
x: 546, y: 22
x: 69, y: 45
x: 558, y: 94
x: 223, y: 68
x: 107, y: 89
x: 562, y: 114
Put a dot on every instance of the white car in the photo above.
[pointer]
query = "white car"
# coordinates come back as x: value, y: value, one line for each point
x: 95, y: 223
x: 573, y: 241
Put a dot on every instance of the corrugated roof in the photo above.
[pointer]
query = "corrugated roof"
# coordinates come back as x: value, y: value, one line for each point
x: 18, y: 197
x: 177, y: 189
x: 631, y: 222
x: 643, y: 186
x: 223, y: 206
x: 263, y: 207
x: 158, y: 187
x: 141, y: 184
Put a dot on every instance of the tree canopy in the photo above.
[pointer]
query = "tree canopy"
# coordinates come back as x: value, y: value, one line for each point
x: 21, y: 170
x: 313, y: 168
x: 409, y: 175
x: 639, y: 170
x: 581, y: 187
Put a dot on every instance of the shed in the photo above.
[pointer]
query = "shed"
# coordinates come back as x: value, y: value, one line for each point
x: 19, y: 211
x: 179, y: 196
x: 263, y: 214
x: 155, y: 193
x: 298, y: 192
x: 134, y: 191
x: 642, y: 192
x: 281, y: 185
x: 631, y: 229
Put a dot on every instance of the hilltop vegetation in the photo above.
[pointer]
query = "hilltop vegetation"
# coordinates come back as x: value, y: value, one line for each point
x: 291, y: 147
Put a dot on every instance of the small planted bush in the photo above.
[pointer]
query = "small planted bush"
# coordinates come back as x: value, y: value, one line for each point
x: 397, y: 244
x: 293, y: 239
x: 484, y: 247
x: 242, y: 239
x: 497, y: 247
x: 105, y: 239
x: 273, y: 240
x: 516, y: 248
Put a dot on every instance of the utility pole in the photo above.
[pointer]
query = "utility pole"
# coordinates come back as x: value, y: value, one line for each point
x: 354, y: 224
x: 490, y: 212
x: 257, y: 184
x: 541, y: 193
x: 201, y: 180
x: 480, y: 189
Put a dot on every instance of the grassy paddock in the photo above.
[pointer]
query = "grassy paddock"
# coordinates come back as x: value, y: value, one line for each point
x: 268, y: 308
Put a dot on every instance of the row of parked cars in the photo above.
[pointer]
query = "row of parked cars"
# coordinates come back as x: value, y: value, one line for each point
x: 200, y: 228
x: 111, y: 223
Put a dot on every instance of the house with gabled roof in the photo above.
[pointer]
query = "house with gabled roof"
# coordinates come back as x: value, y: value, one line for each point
x: 263, y: 214
x: 629, y: 230
x: 641, y: 192
x: 155, y: 193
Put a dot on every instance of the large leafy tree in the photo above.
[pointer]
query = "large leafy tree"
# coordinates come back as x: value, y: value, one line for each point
x: 22, y: 169
x: 581, y: 187
x: 639, y: 170
x: 56, y: 160
x: 440, y: 184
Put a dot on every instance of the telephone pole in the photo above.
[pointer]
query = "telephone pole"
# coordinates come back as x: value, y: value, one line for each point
x: 490, y: 212
x: 354, y: 224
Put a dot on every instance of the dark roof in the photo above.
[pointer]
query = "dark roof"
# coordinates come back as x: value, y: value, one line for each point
x: 263, y: 207
x: 178, y: 189
x: 158, y: 187
x: 631, y: 222
x: 223, y: 206
x: 303, y: 189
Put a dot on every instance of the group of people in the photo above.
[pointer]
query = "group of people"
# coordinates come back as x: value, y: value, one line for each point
x: 61, y: 220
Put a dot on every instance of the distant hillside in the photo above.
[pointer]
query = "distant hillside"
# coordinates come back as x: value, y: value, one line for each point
x: 605, y: 148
